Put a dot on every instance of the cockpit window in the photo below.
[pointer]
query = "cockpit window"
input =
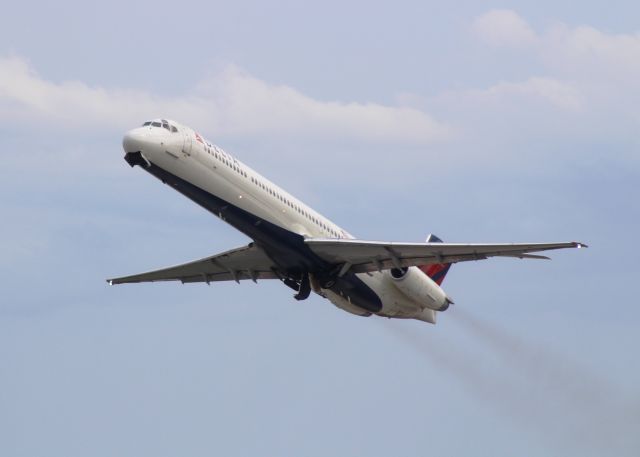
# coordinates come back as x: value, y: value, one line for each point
x: 162, y: 123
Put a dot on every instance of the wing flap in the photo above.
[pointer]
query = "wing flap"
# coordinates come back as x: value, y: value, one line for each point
x: 367, y: 256
x: 248, y: 262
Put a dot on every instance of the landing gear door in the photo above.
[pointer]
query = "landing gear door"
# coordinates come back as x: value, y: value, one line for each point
x: 186, y: 146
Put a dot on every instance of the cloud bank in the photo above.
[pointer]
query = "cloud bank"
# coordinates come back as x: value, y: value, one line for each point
x: 583, y: 87
x: 579, y: 54
x: 579, y: 86
x: 231, y: 103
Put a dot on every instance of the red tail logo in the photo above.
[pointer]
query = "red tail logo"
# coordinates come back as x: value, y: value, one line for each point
x: 436, y: 271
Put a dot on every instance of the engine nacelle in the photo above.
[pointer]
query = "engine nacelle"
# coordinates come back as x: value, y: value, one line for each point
x: 419, y: 288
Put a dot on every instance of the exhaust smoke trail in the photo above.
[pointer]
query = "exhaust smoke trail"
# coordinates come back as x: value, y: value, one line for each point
x: 473, y: 372
x: 550, y: 371
x: 593, y: 410
x: 564, y: 403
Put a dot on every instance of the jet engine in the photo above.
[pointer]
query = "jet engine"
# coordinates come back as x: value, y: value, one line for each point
x: 418, y: 287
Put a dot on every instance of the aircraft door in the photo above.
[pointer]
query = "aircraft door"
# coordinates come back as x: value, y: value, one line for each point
x: 186, y: 146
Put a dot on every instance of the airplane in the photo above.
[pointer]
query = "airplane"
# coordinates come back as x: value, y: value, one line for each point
x: 294, y: 244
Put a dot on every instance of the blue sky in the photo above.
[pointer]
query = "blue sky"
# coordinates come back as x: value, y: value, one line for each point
x: 480, y: 121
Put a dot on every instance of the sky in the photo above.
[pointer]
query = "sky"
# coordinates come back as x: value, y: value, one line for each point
x: 479, y: 121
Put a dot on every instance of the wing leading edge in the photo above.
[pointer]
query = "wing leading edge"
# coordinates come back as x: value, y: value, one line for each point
x: 248, y: 262
x: 360, y: 256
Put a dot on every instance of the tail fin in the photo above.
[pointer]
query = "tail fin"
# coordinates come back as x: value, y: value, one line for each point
x: 436, y: 271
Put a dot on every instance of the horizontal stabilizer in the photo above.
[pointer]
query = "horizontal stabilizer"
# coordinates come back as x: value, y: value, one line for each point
x: 527, y: 256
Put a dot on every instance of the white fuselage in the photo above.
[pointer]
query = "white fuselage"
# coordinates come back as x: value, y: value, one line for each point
x: 183, y: 153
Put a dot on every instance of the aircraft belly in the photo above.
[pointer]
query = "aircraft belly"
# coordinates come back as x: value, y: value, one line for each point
x: 286, y: 248
x: 357, y: 292
x: 345, y: 304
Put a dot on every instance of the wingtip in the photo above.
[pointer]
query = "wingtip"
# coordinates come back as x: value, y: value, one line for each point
x: 579, y: 245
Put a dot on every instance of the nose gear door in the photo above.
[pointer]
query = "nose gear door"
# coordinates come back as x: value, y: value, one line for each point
x: 186, y: 146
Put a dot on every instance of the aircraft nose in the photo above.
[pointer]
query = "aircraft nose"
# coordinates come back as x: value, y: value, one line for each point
x: 135, y: 140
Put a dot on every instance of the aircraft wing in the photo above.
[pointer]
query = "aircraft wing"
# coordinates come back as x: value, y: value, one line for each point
x: 360, y: 256
x: 248, y: 262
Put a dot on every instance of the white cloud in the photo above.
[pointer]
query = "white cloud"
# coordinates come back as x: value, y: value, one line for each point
x: 583, y: 51
x: 589, y: 53
x: 26, y: 97
x: 585, y: 86
x: 249, y: 105
x: 559, y: 94
x: 232, y: 103
x: 504, y: 28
